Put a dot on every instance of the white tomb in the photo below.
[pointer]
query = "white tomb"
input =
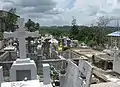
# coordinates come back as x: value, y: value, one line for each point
x: 78, y: 76
x: 23, y: 67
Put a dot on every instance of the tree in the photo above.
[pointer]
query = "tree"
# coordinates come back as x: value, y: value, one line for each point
x: 37, y: 26
x: 30, y: 25
x: 11, y: 20
x: 74, y: 29
x: 102, y: 23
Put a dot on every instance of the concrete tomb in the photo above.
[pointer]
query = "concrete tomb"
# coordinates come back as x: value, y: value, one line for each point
x: 78, y: 76
x: 23, y: 67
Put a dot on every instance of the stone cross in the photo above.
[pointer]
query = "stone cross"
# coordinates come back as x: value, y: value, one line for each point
x: 115, y: 43
x: 21, y: 34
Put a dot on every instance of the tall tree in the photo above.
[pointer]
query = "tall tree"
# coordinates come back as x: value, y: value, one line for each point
x: 102, y: 23
x: 74, y: 29
x: 11, y: 20
x: 30, y: 25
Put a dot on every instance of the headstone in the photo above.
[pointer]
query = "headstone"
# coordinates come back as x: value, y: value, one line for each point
x: 1, y: 75
x: 85, y: 70
x: 24, y: 64
x: 78, y: 76
x: 72, y: 73
x: 46, y: 74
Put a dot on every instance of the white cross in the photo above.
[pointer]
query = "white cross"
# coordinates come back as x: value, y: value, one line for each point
x: 21, y: 34
x: 115, y: 47
x: 115, y: 43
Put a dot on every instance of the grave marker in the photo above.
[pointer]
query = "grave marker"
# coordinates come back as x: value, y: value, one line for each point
x: 24, y: 64
x: 78, y: 76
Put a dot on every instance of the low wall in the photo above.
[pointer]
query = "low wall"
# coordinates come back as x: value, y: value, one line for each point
x: 69, y: 54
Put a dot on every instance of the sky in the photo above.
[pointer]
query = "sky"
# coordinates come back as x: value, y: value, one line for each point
x: 60, y: 12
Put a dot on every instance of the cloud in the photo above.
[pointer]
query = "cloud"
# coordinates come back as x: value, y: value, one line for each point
x: 38, y: 6
x: 60, y: 12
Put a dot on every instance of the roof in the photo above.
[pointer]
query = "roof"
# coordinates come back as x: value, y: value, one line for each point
x: 116, y: 34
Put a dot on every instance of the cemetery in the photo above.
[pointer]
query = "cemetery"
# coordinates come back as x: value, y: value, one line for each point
x: 75, y: 67
x: 29, y: 58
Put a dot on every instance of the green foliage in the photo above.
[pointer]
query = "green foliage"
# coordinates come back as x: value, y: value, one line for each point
x: 11, y: 20
x: 37, y: 26
x: 92, y: 43
x: 94, y: 35
x: 74, y: 32
x: 32, y: 26
x: 89, y: 35
x: 56, y: 31
x: 54, y: 74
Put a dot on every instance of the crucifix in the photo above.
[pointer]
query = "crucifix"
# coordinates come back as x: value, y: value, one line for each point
x: 115, y: 45
x: 21, y: 34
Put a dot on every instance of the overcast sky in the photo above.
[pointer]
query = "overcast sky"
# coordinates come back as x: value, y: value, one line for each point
x: 60, y: 12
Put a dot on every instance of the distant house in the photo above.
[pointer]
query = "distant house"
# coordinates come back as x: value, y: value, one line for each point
x: 3, y: 15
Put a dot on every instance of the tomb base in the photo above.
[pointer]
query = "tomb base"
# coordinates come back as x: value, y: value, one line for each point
x: 22, y: 68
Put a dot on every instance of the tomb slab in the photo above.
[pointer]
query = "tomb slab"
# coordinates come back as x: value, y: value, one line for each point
x: 22, y: 68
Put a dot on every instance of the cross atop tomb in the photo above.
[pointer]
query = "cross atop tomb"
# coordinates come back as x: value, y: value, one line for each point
x: 115, y: 45
x: 21, y: 34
